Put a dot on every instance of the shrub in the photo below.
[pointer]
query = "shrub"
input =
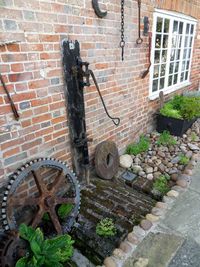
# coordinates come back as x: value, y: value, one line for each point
x: 137, y: 148
x: 161, y: 184
x: 166, y: 139
x: 184, y: 160
x: 44, y: 252
x: 106, y: 228
x: 182, y: 107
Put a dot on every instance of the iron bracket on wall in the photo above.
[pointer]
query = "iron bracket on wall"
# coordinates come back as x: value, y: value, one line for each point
x: 97, y: 10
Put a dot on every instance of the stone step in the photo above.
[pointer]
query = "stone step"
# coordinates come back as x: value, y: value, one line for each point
x: 187, y: 256
x: 158, y: 248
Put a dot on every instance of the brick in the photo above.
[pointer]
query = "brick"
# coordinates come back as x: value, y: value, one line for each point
x: 38, y: 84
x: 42, y: 118
x: 14, y: 57
x: 32, y: 144
x: 17, y: 67
x: 5, y: 137
x: 29, y: 15
x: 10, y: 25
x: 49, y: 38
x: 23, y: 96
x: 20, y: 77
x: 13, y: 48
x: 11, y: 152
x: 55, y: 81
x: 15, y: 158
x: 24, y: 105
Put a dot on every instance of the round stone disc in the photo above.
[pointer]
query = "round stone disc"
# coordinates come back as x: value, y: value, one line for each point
x: 106, y: 160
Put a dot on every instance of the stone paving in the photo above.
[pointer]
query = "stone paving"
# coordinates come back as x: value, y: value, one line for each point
x: 175, y: 241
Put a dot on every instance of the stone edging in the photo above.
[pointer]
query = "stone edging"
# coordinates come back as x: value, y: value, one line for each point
x: 127, y: 247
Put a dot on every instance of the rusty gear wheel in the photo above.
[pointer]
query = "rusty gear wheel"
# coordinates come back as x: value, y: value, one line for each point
x: 11, y: 249
x: 106, y: 160
x: 37, y: 188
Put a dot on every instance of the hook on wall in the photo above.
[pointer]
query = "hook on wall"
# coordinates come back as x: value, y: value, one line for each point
x: 99, y: 13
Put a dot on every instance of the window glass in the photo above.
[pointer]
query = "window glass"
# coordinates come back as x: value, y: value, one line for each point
x: 172, y: 52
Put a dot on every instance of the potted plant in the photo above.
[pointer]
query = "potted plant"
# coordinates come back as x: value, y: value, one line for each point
x: 178, y: 114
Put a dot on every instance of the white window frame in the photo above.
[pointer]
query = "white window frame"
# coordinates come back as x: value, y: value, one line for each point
x: 171, y: 16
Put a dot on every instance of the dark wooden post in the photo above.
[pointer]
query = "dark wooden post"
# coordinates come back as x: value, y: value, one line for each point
x: 74, y: 94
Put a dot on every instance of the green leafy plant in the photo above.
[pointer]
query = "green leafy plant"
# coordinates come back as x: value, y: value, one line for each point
x: 44, y: 252
x: 161, y: 184
x: 182, y: 107
x: 63, y: 211
x: 193, y: 136
x: 166, y: 139
x: 106, y: 228
x: 184, y: 160
x: 137, y: 148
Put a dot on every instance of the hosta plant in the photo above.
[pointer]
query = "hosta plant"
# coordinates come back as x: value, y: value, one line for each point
x: 44, y: 252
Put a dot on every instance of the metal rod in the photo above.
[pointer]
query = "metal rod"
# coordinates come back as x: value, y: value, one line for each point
x: 16, y: 114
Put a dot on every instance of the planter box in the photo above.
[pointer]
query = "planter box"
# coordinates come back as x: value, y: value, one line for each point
x: 176, y: 127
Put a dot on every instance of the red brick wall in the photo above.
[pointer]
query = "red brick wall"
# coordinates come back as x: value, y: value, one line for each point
x: 32, y: 70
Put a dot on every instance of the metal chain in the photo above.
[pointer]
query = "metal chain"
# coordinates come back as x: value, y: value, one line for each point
x: 122, y: 43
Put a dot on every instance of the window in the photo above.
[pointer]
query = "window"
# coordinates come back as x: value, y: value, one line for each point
x: 172, y: 44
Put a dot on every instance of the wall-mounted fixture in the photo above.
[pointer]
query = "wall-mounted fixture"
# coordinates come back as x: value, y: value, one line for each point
x: 99, y: 13
x: 146, y: 26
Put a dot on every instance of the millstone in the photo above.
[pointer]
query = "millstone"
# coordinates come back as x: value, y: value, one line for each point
x: 106, y: 160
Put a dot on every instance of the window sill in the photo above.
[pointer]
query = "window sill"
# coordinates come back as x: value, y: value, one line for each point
x: 168, y: 91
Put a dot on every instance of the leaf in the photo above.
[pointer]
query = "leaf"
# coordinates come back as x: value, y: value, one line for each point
x: 35, y: 247
x: 21, y: 262
x: 26, y: 232
x: 39, y: 236
x: 64, y: 210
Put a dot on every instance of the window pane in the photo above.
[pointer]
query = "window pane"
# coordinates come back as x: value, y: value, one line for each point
x: 170, y: 80
x: 174, y: 41
x: 189, y: 53
x: 166, y: 26
x: 192, y: 29
x: 181, y: 28
x: 164, y: 56
x: 175, y: 78
x: 171, y: 68
x: 184, y: 53
x: 182, y: 76
x: 178, y: 54
x: 186, y: 41
x: 162, y: 83
x: 159, y: 25
x: 183, y: 65
x: 191, y: 39
x: 156, y: 71
x: 188, y: 29
x: 172, y: 56
x: 175, y: 27
x: 165, y: 41
x: 158, y: 41
x: 157, y: 57
x: 176, y: 66
x: 155, y: 85
x: 188, y: 65
x: 180, y: 41
x: 163, y: 70
x: 186, y: 75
